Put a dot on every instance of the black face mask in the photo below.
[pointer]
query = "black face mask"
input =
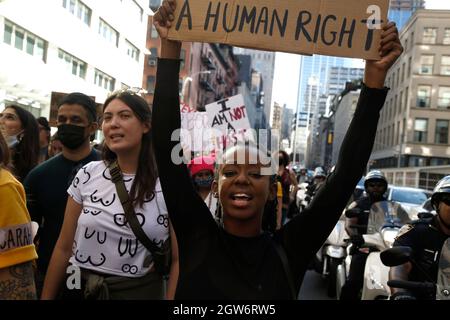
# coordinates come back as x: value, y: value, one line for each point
x: 71, y: 136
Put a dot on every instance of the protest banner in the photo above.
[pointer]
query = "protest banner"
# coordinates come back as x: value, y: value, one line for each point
x: 347, y: 28
x: 229, y: 121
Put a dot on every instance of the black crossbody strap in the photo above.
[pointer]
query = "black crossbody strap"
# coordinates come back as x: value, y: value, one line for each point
x: 287, y: 269
x: 127, y: 205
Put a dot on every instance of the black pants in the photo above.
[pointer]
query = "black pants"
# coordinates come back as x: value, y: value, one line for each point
x: 355, y: 280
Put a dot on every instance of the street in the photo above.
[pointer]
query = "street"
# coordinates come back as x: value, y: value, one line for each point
x: 313, y: 287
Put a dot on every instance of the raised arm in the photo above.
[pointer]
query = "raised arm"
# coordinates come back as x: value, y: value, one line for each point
x: 186, y: 209
x: 314, y: 225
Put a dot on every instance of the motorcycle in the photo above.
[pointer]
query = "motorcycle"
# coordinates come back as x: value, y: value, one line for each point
x: 343, y: 268
x: 439, y: 290
x: 331, y: 255
x: 385, y: 220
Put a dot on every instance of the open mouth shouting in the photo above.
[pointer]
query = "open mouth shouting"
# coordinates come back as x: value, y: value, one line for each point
x: 240, y: 199
x: 116, y: 137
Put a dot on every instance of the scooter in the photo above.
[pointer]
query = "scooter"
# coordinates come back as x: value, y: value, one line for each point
x: 385, y: 220
x: 439, y: 290
x: 343, y: 269
x: 331, y: 255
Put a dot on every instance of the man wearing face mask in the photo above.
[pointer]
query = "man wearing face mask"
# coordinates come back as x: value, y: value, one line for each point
x: 46, y: 184
x: 202, y: 173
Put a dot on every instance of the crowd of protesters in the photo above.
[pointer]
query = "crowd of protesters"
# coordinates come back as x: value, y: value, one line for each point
x: 137, y: 225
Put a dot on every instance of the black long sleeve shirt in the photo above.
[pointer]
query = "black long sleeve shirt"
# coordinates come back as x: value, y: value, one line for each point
x: 218, y: 265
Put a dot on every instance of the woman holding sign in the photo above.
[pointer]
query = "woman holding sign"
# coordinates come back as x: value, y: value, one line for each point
x: 235, y: 260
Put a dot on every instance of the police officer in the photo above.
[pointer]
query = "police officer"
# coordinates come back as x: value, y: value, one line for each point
x: 426, y: 237
x: 375, y: 185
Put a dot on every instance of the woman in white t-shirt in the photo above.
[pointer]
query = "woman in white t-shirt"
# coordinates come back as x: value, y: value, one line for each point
x: 96, y: 237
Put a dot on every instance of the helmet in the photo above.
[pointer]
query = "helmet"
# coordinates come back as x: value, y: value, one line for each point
x: 443, y: 186
x: 375, y: 175
x: 319, y: 172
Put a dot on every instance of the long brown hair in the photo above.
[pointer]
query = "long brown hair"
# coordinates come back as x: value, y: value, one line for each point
x: 25, y: 156
x: 146, y: 175
x: 4, y: 153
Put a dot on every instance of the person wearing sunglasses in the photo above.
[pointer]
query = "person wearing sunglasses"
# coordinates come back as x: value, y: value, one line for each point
x: 375, y: 185
x: 425, y: 237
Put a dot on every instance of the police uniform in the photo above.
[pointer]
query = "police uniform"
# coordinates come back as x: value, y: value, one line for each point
x: 426, y: 240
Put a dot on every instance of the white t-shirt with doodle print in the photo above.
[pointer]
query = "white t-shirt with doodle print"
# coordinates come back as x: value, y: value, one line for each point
x: 104, y: 242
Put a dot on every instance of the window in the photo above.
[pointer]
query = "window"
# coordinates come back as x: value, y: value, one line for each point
x: 151, y: 84
x: 104, y: 81
x: 8, y: 32
x: 152, y: 59
x: 132, y: 51
x: 420, y: 130
x: 423, y: 96
x: 409, y: 67
x: 441, y: 131
x: 426, y: 64
x: 78, y: 9
x: 398, y: 76
x: 446, y: 39
x: 406, y: 97
x: 23, y: 40
x: 72, y: 64
x: 445, y: 65
x: 429, y: 35
x: 402, y: 137
x: 400, y: 102
x: 18, y: 41
x: 403, y: 71
x: 406, y: 44
x: 444, y: 97
x: 153, y: 32
x: 134, y: 11
x: 108, y: 32
x: 394, y: 111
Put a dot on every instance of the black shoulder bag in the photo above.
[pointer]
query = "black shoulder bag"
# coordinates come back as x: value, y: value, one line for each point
x: 161, y: 256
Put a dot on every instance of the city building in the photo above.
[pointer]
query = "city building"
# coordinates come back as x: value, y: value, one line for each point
x: 413, y: 132
x: 277, y: 113
x: 263, y: 62
x: 286, y: 122
x: 401, y: 10
x: 339, y: 76
x: 69, y: 45
x: 342, y: 109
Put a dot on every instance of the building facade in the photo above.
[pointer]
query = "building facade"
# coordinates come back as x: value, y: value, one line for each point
x: 264, y: 63
x: 69, y: 45
x: 414, y: 127
x: 401, y: 10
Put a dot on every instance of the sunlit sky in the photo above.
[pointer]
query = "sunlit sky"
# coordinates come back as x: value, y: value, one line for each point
x: 286, y: 80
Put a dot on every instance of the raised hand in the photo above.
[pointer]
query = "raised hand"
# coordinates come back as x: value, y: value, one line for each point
x: 163, y: 18
x: 390, y: 49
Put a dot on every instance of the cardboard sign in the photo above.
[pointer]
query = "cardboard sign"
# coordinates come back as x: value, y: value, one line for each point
x: 347, y: 28
x: 229, y: 121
